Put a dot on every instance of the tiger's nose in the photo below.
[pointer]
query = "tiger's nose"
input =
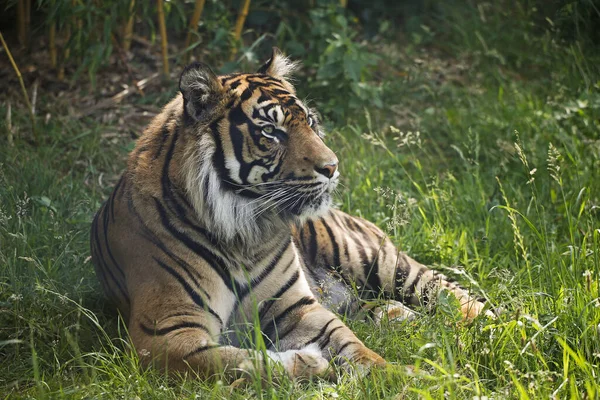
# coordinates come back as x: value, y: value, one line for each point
x: 327, y: 169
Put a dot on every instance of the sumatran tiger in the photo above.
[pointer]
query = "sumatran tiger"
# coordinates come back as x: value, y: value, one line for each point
x: 222, y: 218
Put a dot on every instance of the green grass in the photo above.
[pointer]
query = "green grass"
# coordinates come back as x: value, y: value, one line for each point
x: 519, y: 211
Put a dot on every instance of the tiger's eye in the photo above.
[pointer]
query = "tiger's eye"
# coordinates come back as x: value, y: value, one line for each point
x: 268, y: 129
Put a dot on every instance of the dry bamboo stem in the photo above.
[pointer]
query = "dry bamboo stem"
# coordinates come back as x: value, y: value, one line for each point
x: 239, y: 23
x: 129, y: 27
x: 52, y: 44
x: 193, y: 26
x: 25, y: 95
x: 344, y: 3
x: 163, y: 36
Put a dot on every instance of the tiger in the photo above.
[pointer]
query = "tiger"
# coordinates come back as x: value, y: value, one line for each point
x: 223, y: 219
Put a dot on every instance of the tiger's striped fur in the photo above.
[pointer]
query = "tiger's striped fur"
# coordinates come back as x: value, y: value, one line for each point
x: 222, y: 216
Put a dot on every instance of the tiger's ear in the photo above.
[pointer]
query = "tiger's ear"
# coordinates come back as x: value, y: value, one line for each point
x: 278, y: 66
x: 201, y: 90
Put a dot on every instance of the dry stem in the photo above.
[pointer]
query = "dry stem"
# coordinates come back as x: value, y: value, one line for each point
x: 163, y: 36
x: 193, y: 26
x: 239, y: 23
x: 129, y: 27
x: 25, y: 94
x: 52, y: 44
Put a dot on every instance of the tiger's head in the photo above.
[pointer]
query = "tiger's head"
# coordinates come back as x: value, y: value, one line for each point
x: 260, y: 154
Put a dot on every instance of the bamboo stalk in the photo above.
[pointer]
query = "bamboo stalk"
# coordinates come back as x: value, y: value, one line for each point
x: 21, y: 23
x: 52, y: 45
x: 128, y: 34
x: 241, y: 19
x: 239, y: 23
x: 25, y: 95
x: 163, y: 36
x: 344, y: 3
x: 193, y: 28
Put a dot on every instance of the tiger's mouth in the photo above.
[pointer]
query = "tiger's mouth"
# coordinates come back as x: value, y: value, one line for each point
x: 292, y: 199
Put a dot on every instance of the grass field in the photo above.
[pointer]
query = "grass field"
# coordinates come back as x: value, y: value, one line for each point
x: 485, y: 164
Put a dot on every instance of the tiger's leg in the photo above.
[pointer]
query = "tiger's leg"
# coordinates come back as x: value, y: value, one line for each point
x: 298, y: 321
x: 362, y: 253
x: 188, y: 341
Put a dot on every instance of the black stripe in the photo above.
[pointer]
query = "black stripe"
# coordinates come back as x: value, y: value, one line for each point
x: 151, y: 237
x: 201, y: 349
x: 121, y: 186
x: 232, y: 77
x: 372, y: 275
x: 321, y: 333
x: 219, y: 154
x: 312, y: 247
x: 105, y: 223
x: 286, y: 269
x: 167, y: 186
x: 272, y: 264
x: 187, y: 268
x: 410, y: 291
x: 214, y: 261
x: 163, y: 139
x: 291, y: 328
x: 113, y: 197
x: 340, y: 223
x: 161, y: 332
x: 271, y: 328
x: 101, y: 259
x: 98, y: 260
x: 173, y: 196
x: 328, y: 338
x: 266, y: 305
x: 196, y: 298
x: 359, y: 246
x: 342, y: 347
x: 334, y: 245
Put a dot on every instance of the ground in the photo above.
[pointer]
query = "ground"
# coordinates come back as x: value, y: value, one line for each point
x: 485, y: 166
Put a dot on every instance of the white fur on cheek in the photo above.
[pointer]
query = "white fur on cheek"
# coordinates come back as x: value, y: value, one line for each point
x: 226, y: 214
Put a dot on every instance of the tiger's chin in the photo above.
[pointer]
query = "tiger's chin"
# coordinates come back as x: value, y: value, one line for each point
x: 310, y: 208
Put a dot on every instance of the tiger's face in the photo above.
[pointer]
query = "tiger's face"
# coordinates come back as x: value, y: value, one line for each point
x: 269, y: 146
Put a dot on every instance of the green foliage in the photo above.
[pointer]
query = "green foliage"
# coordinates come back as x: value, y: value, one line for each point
x: 345, y: 66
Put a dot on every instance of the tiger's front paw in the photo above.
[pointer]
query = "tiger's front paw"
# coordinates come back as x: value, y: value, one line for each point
x: 473, y: 308
x: 304, y: 363
x: 362, y: 361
